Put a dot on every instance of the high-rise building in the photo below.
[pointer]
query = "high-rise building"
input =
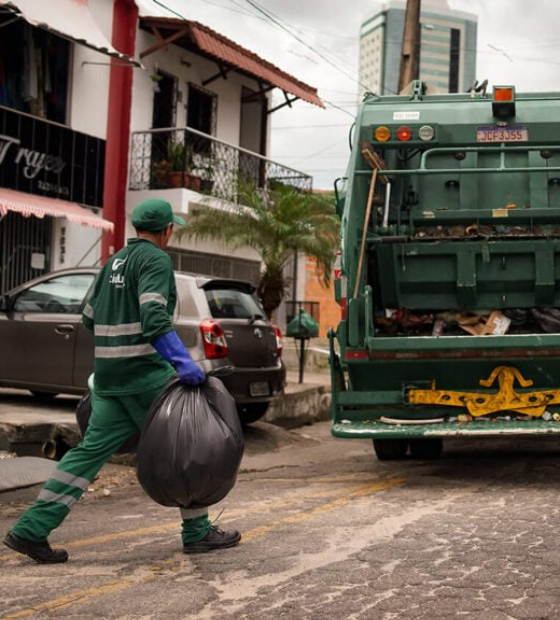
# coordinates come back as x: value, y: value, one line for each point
x: 447, y: 47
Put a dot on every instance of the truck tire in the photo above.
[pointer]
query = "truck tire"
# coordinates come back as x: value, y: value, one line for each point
x: 390, y: 449
x: 426, y: 449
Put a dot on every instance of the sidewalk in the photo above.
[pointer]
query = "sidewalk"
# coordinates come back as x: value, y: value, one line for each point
x: 34, y: 432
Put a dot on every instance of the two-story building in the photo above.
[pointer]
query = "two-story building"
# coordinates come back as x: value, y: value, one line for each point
x: 102, y: 105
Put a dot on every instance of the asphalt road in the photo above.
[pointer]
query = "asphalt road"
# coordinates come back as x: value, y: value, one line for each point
x: 328, y: 532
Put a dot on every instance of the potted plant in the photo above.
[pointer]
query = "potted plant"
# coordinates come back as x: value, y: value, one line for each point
x: 180, y: 163
x: 206, y: 175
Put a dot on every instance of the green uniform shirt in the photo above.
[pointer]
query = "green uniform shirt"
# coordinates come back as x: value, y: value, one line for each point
x: 131, y: 306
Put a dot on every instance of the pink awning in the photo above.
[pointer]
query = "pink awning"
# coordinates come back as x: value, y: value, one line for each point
x: 70, y: 19
x: 39, y: 206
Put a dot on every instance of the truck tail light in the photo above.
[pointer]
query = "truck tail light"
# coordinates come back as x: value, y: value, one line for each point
x: 503, y: 102
x: 382, y: 134
x: 426, y: 133
x: 404, y: 134
x: 215, y: 345
x: 279, y: 341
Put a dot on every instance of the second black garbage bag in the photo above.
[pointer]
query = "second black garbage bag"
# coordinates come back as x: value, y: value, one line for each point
x: 191, y: 445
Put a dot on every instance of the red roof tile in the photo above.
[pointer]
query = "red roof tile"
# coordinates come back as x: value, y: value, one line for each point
x: 217, y: 46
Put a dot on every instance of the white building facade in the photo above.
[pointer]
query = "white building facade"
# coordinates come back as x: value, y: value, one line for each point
x: 57, y: 123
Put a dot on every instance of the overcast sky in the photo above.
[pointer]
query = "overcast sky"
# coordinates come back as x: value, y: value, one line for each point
x: 518, y: 43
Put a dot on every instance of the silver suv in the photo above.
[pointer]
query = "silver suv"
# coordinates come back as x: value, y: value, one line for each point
x: 46, y: 349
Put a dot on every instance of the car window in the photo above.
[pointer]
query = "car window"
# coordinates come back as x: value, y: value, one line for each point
x: 60, y: 294
x: 232, y: 304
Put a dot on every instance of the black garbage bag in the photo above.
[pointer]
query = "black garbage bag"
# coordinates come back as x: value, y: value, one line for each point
x: 83, y: 414
x: 548, y: 319
x: 191, y: 445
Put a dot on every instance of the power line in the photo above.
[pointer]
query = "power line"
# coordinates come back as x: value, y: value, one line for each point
x: 286, y: 28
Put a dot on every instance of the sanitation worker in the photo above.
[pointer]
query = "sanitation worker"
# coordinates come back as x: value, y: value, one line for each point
x: 136, y: 352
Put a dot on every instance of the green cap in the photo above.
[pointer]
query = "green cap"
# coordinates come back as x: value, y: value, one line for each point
x: 154, y: 215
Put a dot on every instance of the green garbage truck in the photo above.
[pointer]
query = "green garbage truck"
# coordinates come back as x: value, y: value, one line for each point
x: 448, y: 274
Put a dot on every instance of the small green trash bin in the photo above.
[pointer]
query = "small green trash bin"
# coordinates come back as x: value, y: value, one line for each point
x: 302, y: 326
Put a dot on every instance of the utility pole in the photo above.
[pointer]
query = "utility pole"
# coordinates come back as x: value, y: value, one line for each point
x: 410, y: 55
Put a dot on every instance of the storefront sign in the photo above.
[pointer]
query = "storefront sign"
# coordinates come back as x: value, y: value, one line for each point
x: 47, y: 159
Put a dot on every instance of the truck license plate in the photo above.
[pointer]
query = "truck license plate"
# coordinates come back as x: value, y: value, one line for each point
x: 259, y: 388
x: 502, y: 134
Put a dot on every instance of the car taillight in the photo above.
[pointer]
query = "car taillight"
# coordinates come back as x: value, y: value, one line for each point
x: 214, y: 340
x: 279, y: 341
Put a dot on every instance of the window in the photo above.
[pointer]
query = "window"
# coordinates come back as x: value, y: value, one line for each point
x: 63, y: 294
x: 454, y: 60
x: 201, y: 115
x: 34, y: 70
x: 232, y: 304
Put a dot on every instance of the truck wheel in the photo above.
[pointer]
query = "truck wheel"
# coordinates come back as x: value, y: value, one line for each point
x: 426, y: 449
x: 390, y: 449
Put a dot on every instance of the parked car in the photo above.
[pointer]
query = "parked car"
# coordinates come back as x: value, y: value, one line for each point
x: 46, y: 349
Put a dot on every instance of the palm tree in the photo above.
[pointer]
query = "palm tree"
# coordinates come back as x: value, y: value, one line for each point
x: 275, y: 224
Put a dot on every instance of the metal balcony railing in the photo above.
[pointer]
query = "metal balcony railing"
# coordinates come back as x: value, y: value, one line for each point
x: 187, y: 158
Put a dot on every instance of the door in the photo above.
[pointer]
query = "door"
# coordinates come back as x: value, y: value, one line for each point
x: 21, y: 240
x: 163, y: 117
x: 252, y: 136
x: 39, y: 333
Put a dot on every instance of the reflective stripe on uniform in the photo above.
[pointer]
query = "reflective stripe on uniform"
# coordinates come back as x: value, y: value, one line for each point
x: 70, y: 479
x: 57, y: 498
x: 125, y: 329
x: 192, y: 513
x: 88, y: 311
x: 147, y: 297
x: 135, y: 350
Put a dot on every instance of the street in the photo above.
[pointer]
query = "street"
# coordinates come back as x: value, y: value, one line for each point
x: 328, y: 531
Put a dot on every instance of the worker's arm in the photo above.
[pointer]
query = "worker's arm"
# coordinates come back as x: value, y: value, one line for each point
x: 172, y: 349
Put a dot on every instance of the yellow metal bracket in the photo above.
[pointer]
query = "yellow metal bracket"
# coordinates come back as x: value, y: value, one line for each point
x: 480, y: 403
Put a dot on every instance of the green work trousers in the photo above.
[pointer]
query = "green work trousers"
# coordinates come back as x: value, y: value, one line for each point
x: 113, y: 420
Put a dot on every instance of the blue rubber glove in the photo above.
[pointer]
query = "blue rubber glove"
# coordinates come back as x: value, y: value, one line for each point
x: 172, y: 349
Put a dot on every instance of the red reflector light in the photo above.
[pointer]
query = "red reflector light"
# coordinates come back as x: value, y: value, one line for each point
x: 357, y: 355
x: 214, y: 340
x: 279, y: 341
x: 404, y: 134
x: 343, y: 308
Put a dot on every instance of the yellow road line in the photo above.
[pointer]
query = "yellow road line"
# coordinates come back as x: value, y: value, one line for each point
x: 70, y: 599
x: 81, y: 596
x: 337, y: 503
x: 232, y: 514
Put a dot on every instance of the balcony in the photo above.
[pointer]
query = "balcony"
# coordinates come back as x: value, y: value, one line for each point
x: 186, y: 158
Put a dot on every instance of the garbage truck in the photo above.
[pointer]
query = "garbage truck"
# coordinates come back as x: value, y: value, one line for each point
x: 448, y: 272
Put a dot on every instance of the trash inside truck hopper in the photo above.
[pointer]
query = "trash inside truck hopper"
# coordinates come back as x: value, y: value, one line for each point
x: 448, y: 274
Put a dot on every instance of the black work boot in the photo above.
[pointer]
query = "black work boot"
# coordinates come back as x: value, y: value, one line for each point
x: 41, y: 552
x: 215, y: 539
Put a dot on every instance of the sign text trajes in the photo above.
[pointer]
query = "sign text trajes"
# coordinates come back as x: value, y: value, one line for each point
x: 51, y: 160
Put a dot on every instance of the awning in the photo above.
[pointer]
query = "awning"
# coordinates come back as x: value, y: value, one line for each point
x: 39, y: 206
x: 204, y: 41
x: 70, y: 19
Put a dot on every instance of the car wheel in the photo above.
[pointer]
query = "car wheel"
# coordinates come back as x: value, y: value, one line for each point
x: 251, y: 413
x: 390, y: 449
x: 43, y: 395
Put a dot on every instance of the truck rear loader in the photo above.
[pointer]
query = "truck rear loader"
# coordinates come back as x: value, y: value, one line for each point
x: 448, y: 274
